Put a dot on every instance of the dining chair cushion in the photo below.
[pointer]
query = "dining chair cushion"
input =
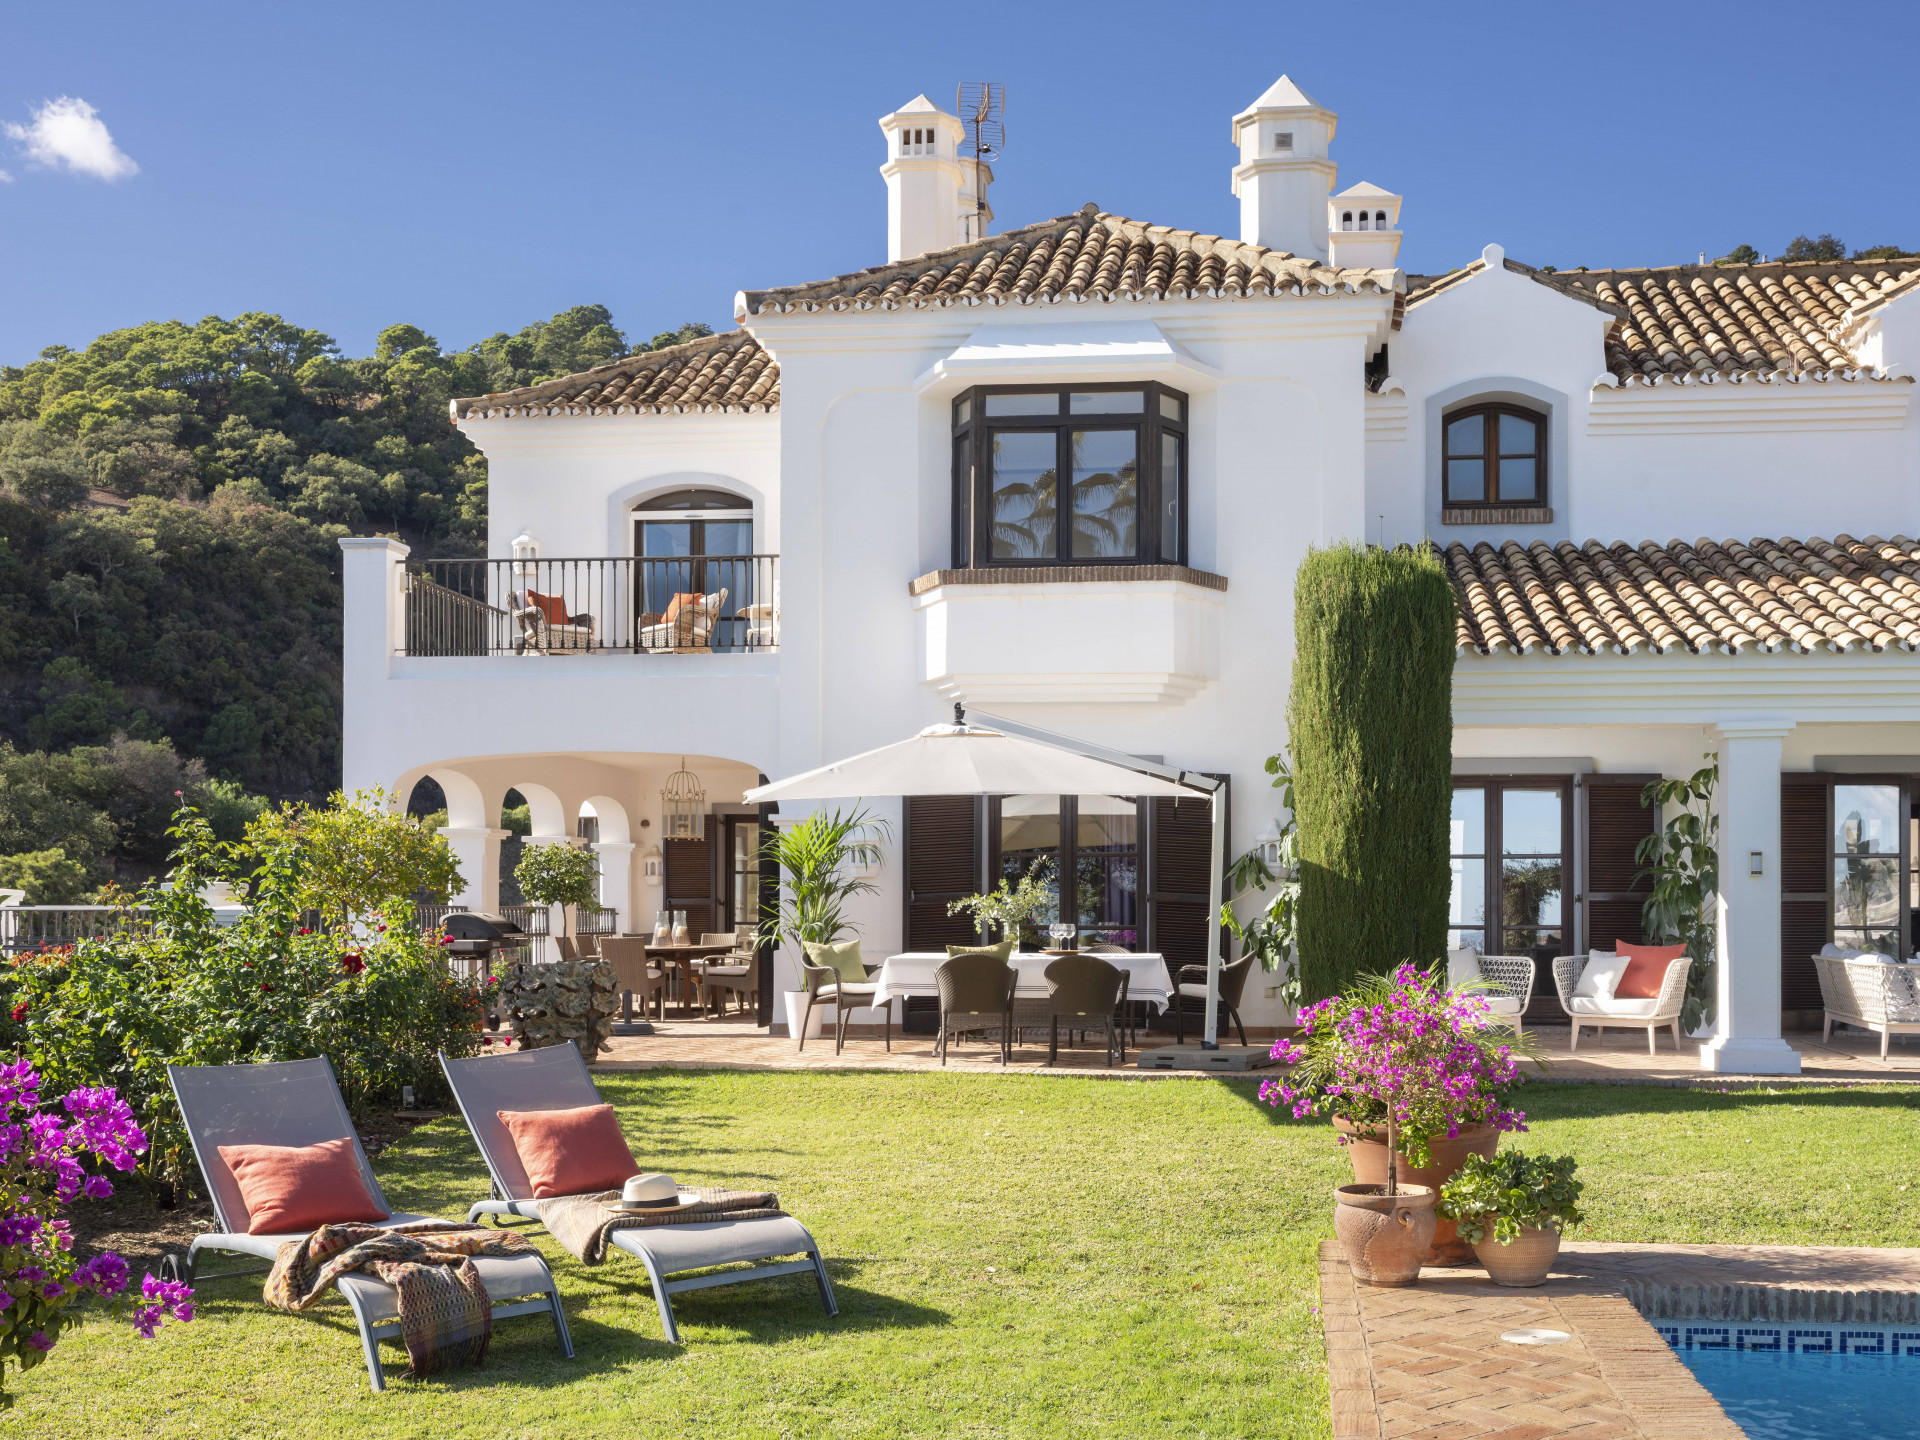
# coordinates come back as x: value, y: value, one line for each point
x: 1646, y: 970
x: 570, y: 1152
x: 1002, y: 952
x: 297, y: 1188
x: 843, y: 958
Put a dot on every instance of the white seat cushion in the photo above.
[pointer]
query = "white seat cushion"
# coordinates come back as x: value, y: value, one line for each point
x: 1502, y: 1004
x: 1613, y: 1009
x: 694, y: 1247
x: 1198, y: 992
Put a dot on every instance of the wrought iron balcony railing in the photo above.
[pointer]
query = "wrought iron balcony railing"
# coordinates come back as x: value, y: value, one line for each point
x: 677, y: 605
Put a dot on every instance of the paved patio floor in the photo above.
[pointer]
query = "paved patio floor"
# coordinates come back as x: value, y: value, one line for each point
x: 1618, y: 1057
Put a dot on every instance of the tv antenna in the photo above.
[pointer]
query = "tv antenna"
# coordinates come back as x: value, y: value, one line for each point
x: 982, y: 105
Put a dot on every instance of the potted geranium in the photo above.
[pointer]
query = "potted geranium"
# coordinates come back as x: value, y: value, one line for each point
x: 1400, y: 1065
x: 1513, y: 1209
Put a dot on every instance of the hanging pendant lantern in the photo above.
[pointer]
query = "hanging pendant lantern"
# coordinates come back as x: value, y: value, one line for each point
x: 683, y: 806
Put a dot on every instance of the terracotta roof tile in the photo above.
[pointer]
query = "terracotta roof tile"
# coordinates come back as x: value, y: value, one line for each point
x: 729, y: 373
x: 1768, y: 595
x: 1085, y: 256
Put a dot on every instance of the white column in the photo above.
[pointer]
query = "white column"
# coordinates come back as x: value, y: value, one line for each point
x: 372, y: 629
x: 616, y: 879
x: 1747, y: 1031
x: 478, y: 851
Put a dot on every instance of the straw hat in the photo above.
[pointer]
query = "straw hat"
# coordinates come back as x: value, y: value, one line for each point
x: 654, y: 1192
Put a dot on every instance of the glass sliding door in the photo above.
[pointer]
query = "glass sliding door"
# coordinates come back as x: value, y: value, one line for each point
x: 1467, y: 906
x: 1867, y: 865
x: 1091, y: 848
x: 1511, y: 840
x: 1532, y: 854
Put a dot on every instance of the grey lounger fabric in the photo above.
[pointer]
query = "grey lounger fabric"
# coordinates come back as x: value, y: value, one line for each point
x: 297, y: 1102
x: 556, y: 1078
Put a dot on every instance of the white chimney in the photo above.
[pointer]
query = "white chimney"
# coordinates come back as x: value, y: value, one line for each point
x: 1363, y: 228
x: 1284, y: 176
x: 930, y: 187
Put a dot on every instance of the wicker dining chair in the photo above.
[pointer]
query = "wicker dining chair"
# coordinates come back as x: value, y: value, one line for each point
x: 1134, y: 1010
x: 825, y: 985
x: 976, y: 993
x: 1088, y: 993
x: 735, y: 973
x: 579, y: 947
x: 632, y: 975
x: 1190, y: 994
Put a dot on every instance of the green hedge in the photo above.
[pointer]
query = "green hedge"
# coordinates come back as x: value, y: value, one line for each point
x: 1370, y: 723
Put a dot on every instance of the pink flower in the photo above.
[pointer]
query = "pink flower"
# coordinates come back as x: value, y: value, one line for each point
x: 40, y: 1341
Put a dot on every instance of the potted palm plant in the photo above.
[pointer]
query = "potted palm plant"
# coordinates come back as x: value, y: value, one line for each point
x: 1401, y: 1063
x: 821, y: 859
x: 1513, y: 1209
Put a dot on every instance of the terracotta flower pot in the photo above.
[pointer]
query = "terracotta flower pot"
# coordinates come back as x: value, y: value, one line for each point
x: 1368, y: 1152
x: 1384, y: 1236
x: 1522, y: 1262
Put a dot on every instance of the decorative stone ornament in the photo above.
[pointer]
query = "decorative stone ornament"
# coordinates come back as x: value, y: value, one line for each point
x: 554, y: 1001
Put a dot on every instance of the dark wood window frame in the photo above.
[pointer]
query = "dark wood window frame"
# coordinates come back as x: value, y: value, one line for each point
x: 1067, y: 862
x: 1490, y: 496
x: 973, y: 430
x: 1494, y: 924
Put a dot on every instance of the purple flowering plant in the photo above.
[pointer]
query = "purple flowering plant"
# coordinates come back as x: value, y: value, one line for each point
x: 41, y: 1170
x: 1402, y: 1054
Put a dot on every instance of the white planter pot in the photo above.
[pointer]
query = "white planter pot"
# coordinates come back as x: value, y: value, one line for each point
x: 796, y: 1007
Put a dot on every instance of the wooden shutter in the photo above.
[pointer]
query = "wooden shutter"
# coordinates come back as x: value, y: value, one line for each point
x: 689, y: 882
x: 1179, y: 893
x: 1806, y: 870
x: 1613, y: 823
x: 943, y: 853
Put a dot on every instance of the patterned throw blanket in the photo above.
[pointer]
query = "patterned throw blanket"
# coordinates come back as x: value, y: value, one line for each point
x: 581, y: 1223
x: 445, y: 1315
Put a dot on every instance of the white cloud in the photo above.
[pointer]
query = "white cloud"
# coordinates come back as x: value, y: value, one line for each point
x: 68, y: 133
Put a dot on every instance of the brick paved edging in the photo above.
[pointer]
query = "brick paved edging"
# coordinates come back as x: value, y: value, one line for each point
x: 1823, y: 1284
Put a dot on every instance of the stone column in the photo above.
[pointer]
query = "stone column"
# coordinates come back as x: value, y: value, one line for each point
x: 1747, y: 1030
x: 616, y: 879
x: 478, y: 851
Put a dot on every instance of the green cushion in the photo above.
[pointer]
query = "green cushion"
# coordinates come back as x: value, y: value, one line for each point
x: 844, y: 957
x: 1002, y: 952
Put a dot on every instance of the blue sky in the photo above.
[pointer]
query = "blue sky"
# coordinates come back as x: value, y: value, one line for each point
x: 471, y: 168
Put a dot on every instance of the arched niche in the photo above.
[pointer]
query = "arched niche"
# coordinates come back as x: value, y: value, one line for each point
x: 614, y: 826
x: 466, y: 806
x: 544, y: 810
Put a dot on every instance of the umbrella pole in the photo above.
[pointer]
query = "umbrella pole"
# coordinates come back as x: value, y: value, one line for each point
x: 1217, y: 897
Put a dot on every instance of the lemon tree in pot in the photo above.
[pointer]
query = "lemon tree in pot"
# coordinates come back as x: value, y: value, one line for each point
x: 1513, y: 1209
x: 1401, y: 1058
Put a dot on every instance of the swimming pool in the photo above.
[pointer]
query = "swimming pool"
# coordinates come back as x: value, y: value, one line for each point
x: 1805, y: 1381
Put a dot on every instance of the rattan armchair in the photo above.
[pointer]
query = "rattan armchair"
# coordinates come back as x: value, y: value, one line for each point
x: 976, y: 994
x: 1505, y: 982
x: 736, y: 973
x: 1087, y: 993
x: 1190, y: 994
x: 632, y: 975
x: 1660, y: 1013
x: 825, y: 987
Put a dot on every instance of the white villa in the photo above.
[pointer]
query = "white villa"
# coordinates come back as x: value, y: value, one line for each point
x: 1066, y: 473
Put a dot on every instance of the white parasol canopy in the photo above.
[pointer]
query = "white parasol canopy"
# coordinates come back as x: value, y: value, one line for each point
x: 965, y: 760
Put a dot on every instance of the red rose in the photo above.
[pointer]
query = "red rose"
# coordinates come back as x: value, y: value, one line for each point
x: 20, y: 1013
x: 352, y: 964
x: 267, y: 988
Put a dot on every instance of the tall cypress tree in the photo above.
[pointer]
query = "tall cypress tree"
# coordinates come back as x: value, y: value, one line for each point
x: 1370, y: 724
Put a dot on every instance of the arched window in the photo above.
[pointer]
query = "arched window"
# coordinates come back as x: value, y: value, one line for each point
x: 1379, y: 219
x: 1363, y: 219
x: 1494, y: 455
x: 694, y: 541
x: 1346, y: 219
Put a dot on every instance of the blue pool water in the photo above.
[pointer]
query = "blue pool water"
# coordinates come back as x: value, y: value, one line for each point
x: 1778, y: 1395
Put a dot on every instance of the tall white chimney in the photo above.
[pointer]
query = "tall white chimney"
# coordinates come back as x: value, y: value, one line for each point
x: 1363, y: 228
x: 930, y: 188
x: 1284, y: 176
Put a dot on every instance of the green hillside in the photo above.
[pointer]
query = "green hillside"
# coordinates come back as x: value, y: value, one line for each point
x: 170, y: 499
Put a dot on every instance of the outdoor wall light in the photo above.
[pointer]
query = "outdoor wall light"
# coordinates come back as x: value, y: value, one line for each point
x: 1754, y: 866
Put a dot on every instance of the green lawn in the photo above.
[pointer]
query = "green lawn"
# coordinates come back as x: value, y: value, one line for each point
x: 1018, y: 1256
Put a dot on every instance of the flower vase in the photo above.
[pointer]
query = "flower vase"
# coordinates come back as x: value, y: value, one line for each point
x: 1385, y: 1237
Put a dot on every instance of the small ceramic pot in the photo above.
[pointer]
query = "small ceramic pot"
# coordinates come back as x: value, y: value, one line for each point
x: 1524, y: 1261
x: 1367, y: 1151
x: 1385, y: 1237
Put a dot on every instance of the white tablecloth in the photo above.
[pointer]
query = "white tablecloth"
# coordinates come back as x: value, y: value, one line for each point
x: 912, y: 974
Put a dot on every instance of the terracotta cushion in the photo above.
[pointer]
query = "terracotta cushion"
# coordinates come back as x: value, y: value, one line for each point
x: 551, y: 606
x: 293, y: 1188
x: 570, y: 1152
x: 676, y: 605
x: 1646, y: 969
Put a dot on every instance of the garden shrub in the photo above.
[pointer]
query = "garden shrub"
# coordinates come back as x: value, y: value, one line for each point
x: 1370, y: 724
x: 376, y: 999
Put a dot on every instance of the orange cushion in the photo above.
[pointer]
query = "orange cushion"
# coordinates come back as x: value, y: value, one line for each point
x: 676, y: 605
x: 551, y: 606
x: 570, y: 1152
x: 1646, y: 969
x: 290, y: 1188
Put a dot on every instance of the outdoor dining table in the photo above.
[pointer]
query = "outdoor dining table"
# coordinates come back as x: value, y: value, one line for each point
x: 683, y: 956
x: 911, y: 974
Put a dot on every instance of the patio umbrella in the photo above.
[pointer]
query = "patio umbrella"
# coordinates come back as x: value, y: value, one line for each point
x: 968, y: 759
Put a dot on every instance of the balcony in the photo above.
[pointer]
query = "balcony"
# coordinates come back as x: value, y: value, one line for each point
x: 1070, y: 633
x: 678, y: 605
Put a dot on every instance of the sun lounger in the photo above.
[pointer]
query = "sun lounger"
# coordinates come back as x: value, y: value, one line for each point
x: 297, y: 1102
x: 556, y: 1078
